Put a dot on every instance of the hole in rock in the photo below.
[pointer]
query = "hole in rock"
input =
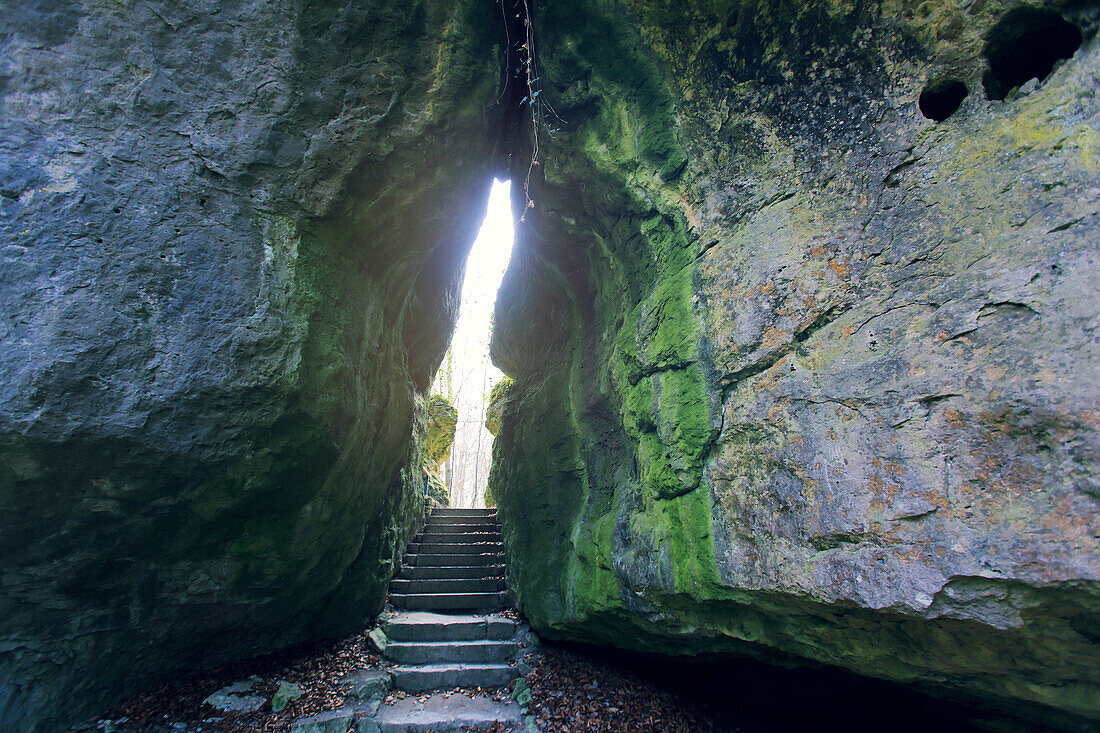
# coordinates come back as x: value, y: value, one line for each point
x: 1025, y: 44
x: 941, y: 98
x: 467, y: 376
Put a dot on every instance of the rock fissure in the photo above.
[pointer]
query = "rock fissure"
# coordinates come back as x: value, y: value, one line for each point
x: 798, y: 322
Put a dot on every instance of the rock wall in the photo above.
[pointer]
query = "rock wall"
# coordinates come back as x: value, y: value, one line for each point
x: 232, y: 237
x: 803, y: 330
x: 442, y: 421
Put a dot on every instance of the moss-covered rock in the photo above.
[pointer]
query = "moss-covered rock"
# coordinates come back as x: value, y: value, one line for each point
x: 494, y: 410
x: 232, y: 243
x: 442, y: 421
x: 812, y: 374
x: 804, y: 366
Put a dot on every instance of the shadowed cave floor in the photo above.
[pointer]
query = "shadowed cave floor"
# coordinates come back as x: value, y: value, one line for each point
x: 572, y: 688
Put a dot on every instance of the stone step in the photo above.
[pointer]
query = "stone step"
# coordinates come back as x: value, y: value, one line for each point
x: 447, y: 585
x: 453, y: 560
x: 451, y: 652
x: 448, y: 714
x: 424, y: 626
x: 457, y: 539
x: 469, y: 521
x: 454, y: 548
x: 446, y: 676
x: 457, y: 512
x: 459, y: 530
x: 449, y: 601
x: 446, y: 534
x: 451, y: 572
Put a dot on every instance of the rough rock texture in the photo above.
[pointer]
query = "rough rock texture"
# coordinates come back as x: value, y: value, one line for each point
x: 232, y: 237
x: 813, y: 376
x: 494, y: 410
x: 494, y: 418
x: 442, y: 420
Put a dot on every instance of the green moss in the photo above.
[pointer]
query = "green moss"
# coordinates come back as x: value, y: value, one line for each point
x: 632, y: 134
x: 494, y: 411
x: 608, y: 438
x: 655, y: 464
x: 595, y: 584
x: 684, y: 414
x: 638, y: 407
x: 668, y: 410
x: 681, y: 528
x: 669, y: 329
x: 442, y: 421
x: 671, y: 457
x: 626, y: 367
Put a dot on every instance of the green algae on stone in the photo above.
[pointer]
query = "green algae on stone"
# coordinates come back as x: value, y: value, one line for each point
x: 807, y: 347
x: 442, y: 421
x: 494, y: 411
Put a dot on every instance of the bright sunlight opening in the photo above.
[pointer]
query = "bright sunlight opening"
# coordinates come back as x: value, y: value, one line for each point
x: 467, y: 375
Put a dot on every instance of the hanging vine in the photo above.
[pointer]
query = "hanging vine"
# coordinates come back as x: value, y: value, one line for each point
x: 522, y: 64
x: 529, y: 72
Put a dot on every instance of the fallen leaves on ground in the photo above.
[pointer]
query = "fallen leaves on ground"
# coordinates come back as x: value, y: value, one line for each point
x: 571, y: 692
x: 320, y: 669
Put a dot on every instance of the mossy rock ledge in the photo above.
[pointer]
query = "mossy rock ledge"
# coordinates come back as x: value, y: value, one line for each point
x: 801, y: 326
x: 801, y: 373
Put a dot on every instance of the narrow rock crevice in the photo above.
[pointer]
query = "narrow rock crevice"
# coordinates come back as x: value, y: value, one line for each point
x: 229, y: 281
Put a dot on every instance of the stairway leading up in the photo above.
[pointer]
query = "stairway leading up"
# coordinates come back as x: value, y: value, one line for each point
x: 446, y: 634
x: 456, y: 563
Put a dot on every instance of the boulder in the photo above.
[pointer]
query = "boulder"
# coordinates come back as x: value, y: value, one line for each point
x: 814, y: 378
x: 234, y: 235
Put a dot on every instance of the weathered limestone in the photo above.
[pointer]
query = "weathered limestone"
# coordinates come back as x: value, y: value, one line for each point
x: 233, y: 234
x: 814, y: 376
x: 802, y: 324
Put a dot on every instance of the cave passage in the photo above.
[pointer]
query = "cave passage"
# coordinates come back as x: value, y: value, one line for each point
x: 467, y: 374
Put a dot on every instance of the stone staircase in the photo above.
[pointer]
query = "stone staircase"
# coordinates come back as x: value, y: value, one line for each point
x: 456, y: 563
x: 444, y: 636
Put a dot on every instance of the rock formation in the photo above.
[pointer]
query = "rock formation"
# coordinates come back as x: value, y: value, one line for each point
x: 442, y: 420
x: 494, y: 411
x: 802, y: 324
x: 233, y: 235
x: 814, y: 375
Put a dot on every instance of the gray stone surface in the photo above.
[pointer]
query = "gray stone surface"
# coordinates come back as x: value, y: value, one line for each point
x: 442, y: 651
x: 446, y: 713
x: 454, y: 572
x: 450, y: 601
x: 236, y: 698
x: 370, y: 683
x: 450, y: 561
x: 445, y: 676
x: 814, y: 377
x: 286, y: 693
x: 452, y: 585
x: 376, y: 639
x: 330, y: 721
x: 231, y: 237
x: 426, y: 626
x: 433, y: 652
